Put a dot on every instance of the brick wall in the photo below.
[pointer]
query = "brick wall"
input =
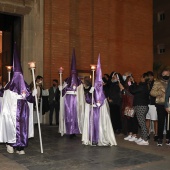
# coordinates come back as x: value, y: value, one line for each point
x: 121, y: 31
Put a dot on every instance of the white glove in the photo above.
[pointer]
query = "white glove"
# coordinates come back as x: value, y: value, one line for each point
x: 91, y: 90
x: 34, y: 92
x: 23, y: 95
x: 98, y: 103
x: 60, y: 88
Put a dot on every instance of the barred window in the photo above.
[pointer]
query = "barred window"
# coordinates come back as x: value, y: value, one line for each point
x: 161, y: 48
x: 161, y: 16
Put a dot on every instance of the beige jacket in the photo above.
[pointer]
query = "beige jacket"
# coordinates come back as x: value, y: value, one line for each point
x: 158, y: 91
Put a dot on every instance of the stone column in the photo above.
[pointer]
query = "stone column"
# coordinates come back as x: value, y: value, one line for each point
x: 32, y: 39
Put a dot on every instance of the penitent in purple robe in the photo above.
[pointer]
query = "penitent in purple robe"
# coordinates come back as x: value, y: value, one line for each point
x: 16, y: 129
x: 99, y: 98
x: 99, y: 122
x: 71, y: 122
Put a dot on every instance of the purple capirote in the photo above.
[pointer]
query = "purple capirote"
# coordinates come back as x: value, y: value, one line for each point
x: 70, y: 100
x: 99, y: 98
x: 19, y: 86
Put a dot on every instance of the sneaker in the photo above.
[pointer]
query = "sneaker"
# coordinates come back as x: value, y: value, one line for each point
x: 22, y: 152
x: 17, y: 152
x: 168, y: 142
x: 159, y: 142
x: 128, y: 137
x: 10, y: 149
x: 155, y: 138
x: 143, y: 142
x: 133, y: 139
x: 139, y: 140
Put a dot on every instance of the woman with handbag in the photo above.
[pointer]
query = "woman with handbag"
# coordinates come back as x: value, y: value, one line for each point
x: 140, y: 104
x: 128, y: 111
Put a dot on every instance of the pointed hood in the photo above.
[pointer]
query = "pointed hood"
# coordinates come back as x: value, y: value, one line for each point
x: 17, y: 83
x: 73, y: 62
x: 16, y: 61
x: 99, y: 96
x: 73, y: 81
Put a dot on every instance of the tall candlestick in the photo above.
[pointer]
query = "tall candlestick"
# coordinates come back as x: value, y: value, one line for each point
x: 93, y: 67
x: 32, y: 67
x: 60, y: 73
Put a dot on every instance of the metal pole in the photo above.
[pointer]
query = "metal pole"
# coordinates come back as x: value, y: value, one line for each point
x: 36, y: 102
x: 92, y: 108
x: 60, y: 83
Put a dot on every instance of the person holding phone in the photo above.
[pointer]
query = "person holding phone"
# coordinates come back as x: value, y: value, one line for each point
x: 115, y: 100
x: 140, y: 104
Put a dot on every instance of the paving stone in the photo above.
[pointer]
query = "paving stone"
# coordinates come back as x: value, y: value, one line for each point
x: 64, y: 153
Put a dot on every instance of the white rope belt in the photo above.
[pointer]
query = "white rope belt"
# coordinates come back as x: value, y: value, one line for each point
x: 71, y: 92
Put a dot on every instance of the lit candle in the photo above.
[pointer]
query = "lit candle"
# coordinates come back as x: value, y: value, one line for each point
x: 32, y: 64
x: 9, y: 68
x: 61, y: 70
x: 93, y: 67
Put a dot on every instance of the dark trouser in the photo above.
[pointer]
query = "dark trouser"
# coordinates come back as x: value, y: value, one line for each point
x: 115, y: 116
x: 132, y: 124
x: 141, y: 112
x: 54, y: 105
x: 162, y: 116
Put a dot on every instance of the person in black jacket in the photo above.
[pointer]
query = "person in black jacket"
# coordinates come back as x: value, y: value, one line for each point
x: 115, y: 101
x: 140, y: 103
x: 54, y: 102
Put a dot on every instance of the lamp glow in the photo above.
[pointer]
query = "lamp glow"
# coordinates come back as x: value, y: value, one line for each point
x: 61, y: 69
x: 9, y: 68
x: 32, y: 64
x: 93, y: 67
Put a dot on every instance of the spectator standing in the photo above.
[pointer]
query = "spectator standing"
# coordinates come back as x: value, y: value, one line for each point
x: 54, y: 102
x: 127, y: 101
x: 115, y: 101
x: 158, y: 91
x: 152, y: 113
x: 140, y: 103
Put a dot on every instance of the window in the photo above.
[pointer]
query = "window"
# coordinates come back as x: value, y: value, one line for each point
x: 161, y: 16
x: 161, y: 48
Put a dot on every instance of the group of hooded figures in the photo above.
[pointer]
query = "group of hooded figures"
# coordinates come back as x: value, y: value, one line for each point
x: 80, y: 113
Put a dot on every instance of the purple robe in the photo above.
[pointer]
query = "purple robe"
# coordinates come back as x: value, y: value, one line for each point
x: 20, y: 87
x: 22, y: 123
x: 70, y: 105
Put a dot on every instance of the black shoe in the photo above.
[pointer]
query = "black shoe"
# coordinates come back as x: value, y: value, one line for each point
x: 118, y: 131
x: 159, y: 142
x: 51, y: 124
x: 155, y: 138
x: 148, y: 137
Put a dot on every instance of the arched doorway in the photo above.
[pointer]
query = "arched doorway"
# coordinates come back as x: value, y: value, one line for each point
x: 10, y: 32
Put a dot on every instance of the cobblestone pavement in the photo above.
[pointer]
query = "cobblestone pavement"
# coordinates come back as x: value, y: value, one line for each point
x: 63, y: 153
